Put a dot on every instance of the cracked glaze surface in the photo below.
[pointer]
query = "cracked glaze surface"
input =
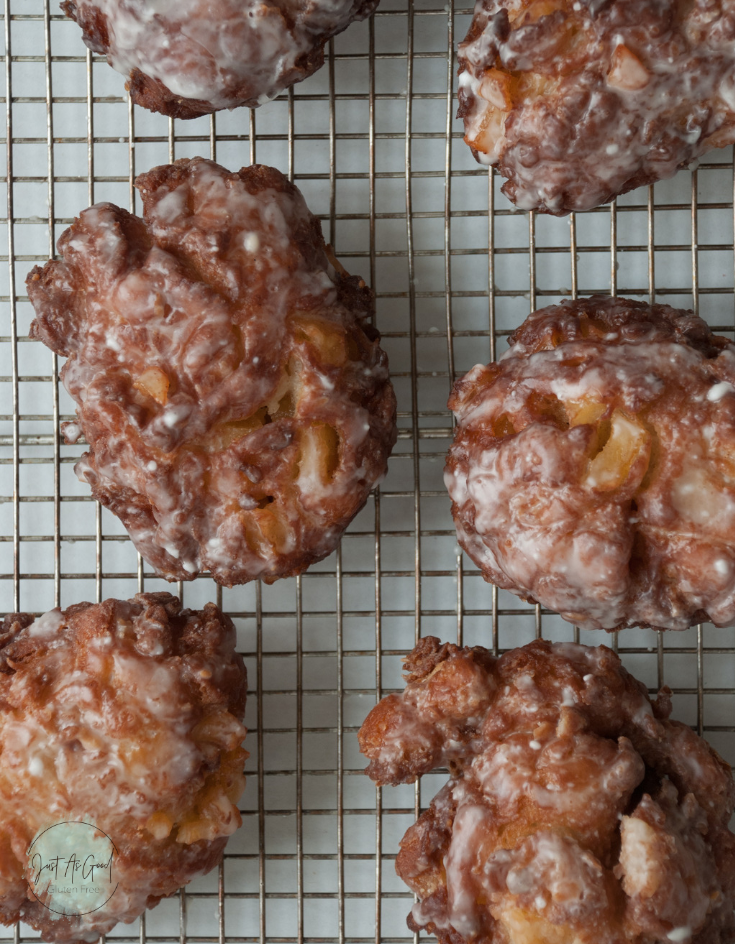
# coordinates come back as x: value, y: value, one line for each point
x: 593, y: 466
x: 576, y: 811
x: 128, y: 714
x: 578, y: 101
x: 186, y: 58
x: 227, y: 378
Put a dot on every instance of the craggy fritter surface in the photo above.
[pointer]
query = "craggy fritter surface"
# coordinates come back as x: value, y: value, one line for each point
x: 128, y: 713
x: 186, y: 58
x: 593, y: 466
x: 578, y: 101
x: 227, y: 378
x: 576, y: 811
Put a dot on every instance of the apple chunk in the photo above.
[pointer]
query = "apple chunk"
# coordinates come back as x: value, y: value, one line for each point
x: 581, y: 412
x: 154, y: 383
x: 319, y: 456
x: 628, y: 442
x: 627, y: 72
x: 328, y: 338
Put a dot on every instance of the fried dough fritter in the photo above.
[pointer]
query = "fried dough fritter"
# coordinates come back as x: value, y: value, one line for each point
x: 593, y: 466
x: 578, y: 101
x: 576, y: 810
x: 228, y: 381
x: 186, y: 58
x: 127, y: 713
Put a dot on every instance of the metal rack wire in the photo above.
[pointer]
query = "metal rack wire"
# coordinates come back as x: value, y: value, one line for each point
x: 372, y: 142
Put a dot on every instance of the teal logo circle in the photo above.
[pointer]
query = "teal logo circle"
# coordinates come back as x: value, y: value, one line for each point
x: 70, y: 868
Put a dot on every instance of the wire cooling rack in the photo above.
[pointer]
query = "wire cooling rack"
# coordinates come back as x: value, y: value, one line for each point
x: 372, y: 142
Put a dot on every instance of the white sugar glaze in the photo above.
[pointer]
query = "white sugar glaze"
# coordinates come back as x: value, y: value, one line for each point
x: 560, y: 821
x: 532, y: 514
x: 178, y: 346
x: 100, y: 722
x: 221, y: 52
x: 578, y: 102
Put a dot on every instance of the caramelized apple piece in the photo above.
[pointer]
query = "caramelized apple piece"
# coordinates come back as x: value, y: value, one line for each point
x: 496, y: 88
x: 159, y: 825
x: 611, y: 466
x: 227, y: 433
x: 283, y: 401
x: 582, y: 412
x: 154, y: 383
x: 538, y: 9
x: 627, y: 72
x: 328, y: 338
x: 490, y: 133
x: 267, y: 532
x: 216, y: 811
x: 319, y: 456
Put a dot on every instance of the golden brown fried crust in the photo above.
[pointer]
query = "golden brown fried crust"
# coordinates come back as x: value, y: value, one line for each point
x: 227, y: 378
x: 579, y: 102
x: 128, y: 713
x: 593, y: 466
x: 576, y: 810
x: 234, y: 53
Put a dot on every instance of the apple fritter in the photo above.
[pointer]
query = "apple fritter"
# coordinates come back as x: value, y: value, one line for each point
x: 228, y: 381
x: 186, y: 58
x: 576, y: 810
x: 126, y: 715
x: 593, y: 466
x: 578, y: 101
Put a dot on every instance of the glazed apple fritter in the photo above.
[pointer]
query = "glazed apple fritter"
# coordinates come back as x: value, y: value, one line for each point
x: 593, y: 466
x: 228, y: 381
x: 186, y: 58
x: 128, y: 714
x: 576, y: 811
x: 578, y: 101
